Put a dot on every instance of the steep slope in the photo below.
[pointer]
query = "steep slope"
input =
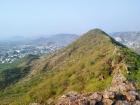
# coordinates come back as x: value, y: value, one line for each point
x: 95, y: 62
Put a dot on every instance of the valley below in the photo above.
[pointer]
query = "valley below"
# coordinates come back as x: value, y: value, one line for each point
x: 19, y: 48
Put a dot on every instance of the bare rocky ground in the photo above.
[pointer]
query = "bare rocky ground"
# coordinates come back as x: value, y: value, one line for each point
x: 131, y: 97
x: 113, y: 96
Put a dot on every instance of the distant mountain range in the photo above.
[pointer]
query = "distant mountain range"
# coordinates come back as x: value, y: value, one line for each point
x: 19, y: 47
x: 59, y: 39
x: 130, y: 39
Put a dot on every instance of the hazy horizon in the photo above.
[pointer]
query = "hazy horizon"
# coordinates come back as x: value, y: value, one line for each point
x: 35, y: 18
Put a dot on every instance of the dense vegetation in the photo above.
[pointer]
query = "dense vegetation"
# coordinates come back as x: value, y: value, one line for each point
x: 83, y: 66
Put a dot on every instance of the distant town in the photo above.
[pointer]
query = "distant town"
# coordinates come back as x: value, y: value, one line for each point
x: 9, y: 55
x: 13, y: 50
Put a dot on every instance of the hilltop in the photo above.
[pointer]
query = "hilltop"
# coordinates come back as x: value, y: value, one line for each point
x: 93, y: 63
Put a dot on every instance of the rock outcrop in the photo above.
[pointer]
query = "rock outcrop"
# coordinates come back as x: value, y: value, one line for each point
x: 100, y: 98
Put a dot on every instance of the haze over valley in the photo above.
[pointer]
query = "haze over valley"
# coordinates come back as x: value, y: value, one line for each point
x: 15, y: 49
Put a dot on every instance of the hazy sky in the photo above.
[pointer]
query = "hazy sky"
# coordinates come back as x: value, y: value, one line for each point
x: 37, y: 17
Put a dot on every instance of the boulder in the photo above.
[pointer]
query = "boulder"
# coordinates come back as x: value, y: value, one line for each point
x: 131, y: 96
x: 107, y: 102
x: 83, y: 102
x: 96, y: 96
x: 108, y: 94
x: 131, y: 87
x: 93, y: 102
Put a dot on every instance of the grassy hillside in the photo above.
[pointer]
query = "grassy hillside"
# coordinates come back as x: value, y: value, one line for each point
x: 86, y: 65
x: 14, y: 72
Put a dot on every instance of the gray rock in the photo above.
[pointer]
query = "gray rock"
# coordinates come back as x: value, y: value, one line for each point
x: 96, y: 96
x: 108, y: 94
x: 92, y: 102
x: 107, y: 102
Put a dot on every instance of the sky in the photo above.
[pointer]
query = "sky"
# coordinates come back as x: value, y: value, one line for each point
x: 46, y: 17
